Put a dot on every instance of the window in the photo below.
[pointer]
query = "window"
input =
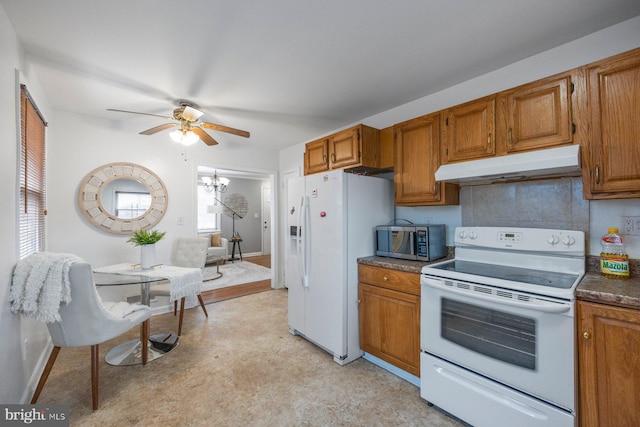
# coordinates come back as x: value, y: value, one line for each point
x: 32, y: 206
x: 131, y: 205
x: 207, y: 219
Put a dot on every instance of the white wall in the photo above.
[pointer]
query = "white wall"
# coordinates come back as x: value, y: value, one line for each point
x: 23, y: 340
x: 605, y: 43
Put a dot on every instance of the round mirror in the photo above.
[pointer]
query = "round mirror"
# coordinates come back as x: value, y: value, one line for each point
x: 122, y: 197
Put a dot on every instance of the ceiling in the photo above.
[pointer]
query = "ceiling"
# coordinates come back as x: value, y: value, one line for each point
x: 285, y: 70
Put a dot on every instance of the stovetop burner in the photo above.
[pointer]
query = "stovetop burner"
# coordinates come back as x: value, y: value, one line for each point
x: 545, y: 262
x: 515, y: 274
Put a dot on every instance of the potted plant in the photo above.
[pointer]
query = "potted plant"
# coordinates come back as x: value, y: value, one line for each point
x: 147, y: 241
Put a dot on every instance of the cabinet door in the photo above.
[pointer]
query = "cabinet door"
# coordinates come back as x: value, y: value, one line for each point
x: 417, y: 157
x: 390, y: 326
x: 344, y: 148
x: 386, y: 148
x: 538, y: 115
x: 316, y: 156
x: 609, y: 365
x: 613, y: 93
x: 470, y: 130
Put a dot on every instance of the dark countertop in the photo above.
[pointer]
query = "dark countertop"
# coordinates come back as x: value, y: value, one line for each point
x: 398, y: 264
x: 593, y: 287
x: 597, y: 288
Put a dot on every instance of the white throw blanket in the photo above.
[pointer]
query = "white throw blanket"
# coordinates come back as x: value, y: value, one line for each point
x: 185, y: 282
x: 40, y: 284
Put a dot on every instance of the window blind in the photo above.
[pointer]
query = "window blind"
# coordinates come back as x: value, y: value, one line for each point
x: 32, y: 207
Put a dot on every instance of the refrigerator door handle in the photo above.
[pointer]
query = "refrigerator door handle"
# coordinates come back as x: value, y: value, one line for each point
x: 301, y: 265
x: 307, y: 242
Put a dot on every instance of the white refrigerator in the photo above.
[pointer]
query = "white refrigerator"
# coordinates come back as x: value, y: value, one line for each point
x: 331, y: 221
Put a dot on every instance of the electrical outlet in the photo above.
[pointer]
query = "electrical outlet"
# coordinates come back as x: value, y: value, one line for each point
x: 630, y: 225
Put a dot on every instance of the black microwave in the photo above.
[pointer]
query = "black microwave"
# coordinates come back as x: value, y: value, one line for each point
x: 415, y: 242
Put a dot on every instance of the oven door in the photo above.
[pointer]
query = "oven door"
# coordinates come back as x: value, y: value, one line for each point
x: 516, y: 339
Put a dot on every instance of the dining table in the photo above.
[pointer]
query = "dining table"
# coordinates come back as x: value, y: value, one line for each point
x: 185, y: 282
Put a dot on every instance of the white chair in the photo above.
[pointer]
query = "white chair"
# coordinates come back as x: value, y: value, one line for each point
x: 213, y: 252
x: 190, y: 253
x: 86, y: 321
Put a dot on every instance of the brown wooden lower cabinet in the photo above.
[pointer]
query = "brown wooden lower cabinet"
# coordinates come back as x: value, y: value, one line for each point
x: 609, y: 365
x: 389, y: 310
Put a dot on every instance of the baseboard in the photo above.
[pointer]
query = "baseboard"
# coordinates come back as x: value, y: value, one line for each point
x: 37, y: 373
x: 163, y: 307
x: 393, y: 369
x: 249, y: 255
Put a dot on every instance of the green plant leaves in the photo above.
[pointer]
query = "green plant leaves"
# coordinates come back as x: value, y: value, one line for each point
x: 145, y: 237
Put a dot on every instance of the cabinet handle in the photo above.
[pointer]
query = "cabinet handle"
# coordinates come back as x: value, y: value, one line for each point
x: 333, y: 158
x: 385, y: 278
x: 510, y: 137
x: 435, y: 188
x: 586, y: 335
x: 489, y: 140
x: 597, y: 174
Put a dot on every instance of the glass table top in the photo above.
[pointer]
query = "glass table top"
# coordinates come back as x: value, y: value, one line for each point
x: 115, y: 279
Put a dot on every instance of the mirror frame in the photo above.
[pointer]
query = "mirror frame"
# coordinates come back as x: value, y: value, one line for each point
x: 90, y: 192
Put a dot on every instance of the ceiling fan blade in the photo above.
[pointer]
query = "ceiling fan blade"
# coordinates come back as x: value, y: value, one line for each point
x: 204, y: 136
x: 191, y: 114
x: 135, y: 112
x: 158, y: 128
x: 226, y: 129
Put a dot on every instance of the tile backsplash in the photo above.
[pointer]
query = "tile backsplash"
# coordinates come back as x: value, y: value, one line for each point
x: 544, y: 203
x: 548, y: 203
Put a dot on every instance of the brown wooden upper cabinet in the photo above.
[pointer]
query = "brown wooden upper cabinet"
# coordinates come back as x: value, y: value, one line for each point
x: 417, y: 157
x: 612, y: 168
x: 358, y: 146
x: 469, y: 130
x: 536, y: 115
x: 316, y: 156
x: 386, y: 148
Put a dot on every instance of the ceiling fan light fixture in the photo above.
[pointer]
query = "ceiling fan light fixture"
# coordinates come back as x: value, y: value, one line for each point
x: 190, y: 128
x: 184, y: 137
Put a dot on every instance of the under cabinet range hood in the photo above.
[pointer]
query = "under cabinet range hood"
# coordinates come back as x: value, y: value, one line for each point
x: 549, y: 163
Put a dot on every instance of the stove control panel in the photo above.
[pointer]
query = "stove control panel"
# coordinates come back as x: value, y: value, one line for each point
x: 522, y: 239
x: 509, y: 236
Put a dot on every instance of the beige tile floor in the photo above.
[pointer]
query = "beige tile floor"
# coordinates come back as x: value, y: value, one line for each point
x: 239, y: 367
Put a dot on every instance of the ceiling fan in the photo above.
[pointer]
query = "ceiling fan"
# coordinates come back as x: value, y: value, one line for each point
x: 189, y: 128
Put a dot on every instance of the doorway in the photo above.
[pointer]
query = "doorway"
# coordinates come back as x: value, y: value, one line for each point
x: 256, y: 227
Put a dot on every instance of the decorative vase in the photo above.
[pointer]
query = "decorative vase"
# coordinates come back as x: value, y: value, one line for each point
x: 147, y: 256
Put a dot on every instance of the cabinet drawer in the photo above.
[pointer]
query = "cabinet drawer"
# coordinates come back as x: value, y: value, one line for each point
x: 390, y: 279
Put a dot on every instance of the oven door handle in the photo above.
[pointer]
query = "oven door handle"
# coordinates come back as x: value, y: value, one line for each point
x: 546, y: 307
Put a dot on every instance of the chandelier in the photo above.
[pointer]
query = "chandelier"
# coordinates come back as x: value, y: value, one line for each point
x: 217, y: 184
